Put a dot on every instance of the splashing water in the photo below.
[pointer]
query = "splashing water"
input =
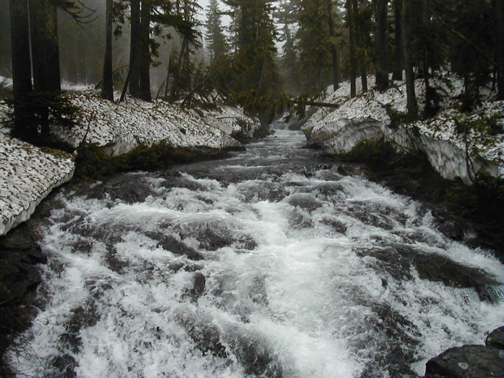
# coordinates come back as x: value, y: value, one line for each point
x: 262, y: 265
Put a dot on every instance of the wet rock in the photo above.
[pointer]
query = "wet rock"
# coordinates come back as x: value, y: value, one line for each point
x: 448, y: 226
x: 204, y: 333
x: 496, y: 339
x: 127, y: 188
x: 198, y: 288
x: 19, y: 255
x: 468, y: 361
x: 19, y: 277
x: 304, y: 201
x: 441, y: 269
x: 177, y: 247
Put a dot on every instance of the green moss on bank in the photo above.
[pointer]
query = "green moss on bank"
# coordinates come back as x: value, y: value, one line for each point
x: 411, y: 174
x: 93, y: 162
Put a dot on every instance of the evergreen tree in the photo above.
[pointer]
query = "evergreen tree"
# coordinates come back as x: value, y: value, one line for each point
x: 255, y: 64
x: 215, y: 37
x: 287, y: 15
x: 316, y: 45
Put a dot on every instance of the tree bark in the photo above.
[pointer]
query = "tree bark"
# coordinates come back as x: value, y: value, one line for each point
x: 360, y: 45
x: 45, y: 56
x: 334, y: 50
x: 107, y: 85
x: 382, y: 82
x: 351, y: 34
x: 135, y: 50
x: 145, y: 57
x: 498, y: 14
x: 24, y: 127
x: 398, y: 42
x: 45, y: 49
x: 412, y: 104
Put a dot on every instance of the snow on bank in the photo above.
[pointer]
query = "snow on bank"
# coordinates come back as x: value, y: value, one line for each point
x: 27, y: 174
x: 368, y: 116
x: 122, y: 126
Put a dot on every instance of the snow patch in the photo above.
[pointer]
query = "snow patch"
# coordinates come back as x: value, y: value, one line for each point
x: 368, y: 117
x: 27, y: 176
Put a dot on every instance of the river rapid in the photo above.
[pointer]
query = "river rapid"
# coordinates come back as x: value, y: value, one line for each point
x: 268, y: 264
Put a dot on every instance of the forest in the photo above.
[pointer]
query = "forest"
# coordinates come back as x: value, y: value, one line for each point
x: 266, y: 52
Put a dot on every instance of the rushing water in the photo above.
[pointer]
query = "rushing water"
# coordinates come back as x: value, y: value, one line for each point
x: 268, y: 264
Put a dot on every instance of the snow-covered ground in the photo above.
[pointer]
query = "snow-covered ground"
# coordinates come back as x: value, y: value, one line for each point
x: 27, y: 174
x: 367, y: 116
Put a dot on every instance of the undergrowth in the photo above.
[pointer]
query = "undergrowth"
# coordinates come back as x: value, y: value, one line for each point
x: 93, y: 162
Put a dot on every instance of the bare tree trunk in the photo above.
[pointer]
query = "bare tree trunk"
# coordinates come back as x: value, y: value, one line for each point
x: 412, y: 104
x: 107, y: 85
x: 382, y: 82
x: 360, y: 45
x: 21, y: 69
x: 45, y: 55
x: 353, y: 63
x: 135, y: 50
x: 498, y: 13
x: 398, y: 42
x: 145, y: 58
x: 334, y: 51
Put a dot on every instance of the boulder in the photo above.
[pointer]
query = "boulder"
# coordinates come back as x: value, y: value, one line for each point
x: 470, y: 361
x: 496, y: 339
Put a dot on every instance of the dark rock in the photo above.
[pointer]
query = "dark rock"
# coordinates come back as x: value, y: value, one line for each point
x: 496, y: 339
x: 169, y: 243
x: 199, y: 283
x: 449, y: 227
x: 125, y: 187
x: 304, y: 201
x: 19, y: 277
x: 469, y: 361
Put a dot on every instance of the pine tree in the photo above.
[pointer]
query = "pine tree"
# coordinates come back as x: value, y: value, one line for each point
x: 316, y: 43
x: 217, y: 44
x: 255, y: 64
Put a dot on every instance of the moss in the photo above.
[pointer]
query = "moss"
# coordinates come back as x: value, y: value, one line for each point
x: 93, y: 162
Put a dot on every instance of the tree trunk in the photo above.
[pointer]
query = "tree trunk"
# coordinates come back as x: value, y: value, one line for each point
x: 412, y: 104
x: 398, y: 42
x: 334, y: 51
x: 45, y: 55
x: 107, y: 85
x: 498, y: 14
x: 145, y: 57
x: 351, y: 34
x: 135, y: 50
x: 382, y: 82
x: 45, y: 49
x: 360, y: 45
x: 21, y: 69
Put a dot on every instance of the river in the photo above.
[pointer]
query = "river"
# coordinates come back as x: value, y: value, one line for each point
x: 271, y: 263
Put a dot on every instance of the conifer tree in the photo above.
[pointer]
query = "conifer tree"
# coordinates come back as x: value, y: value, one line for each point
x: 215, y: 37
x: 255, y: 32
x: 316, y: 43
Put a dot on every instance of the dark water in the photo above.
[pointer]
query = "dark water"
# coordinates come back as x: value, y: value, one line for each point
x: 268, y: 264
